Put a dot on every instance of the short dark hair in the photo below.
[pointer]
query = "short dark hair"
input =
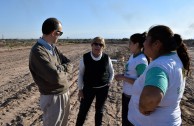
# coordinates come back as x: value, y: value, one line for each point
x: 50, y: 25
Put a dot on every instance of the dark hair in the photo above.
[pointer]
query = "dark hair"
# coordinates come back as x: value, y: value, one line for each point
x: 171, y: 42
x: 50, y: 25
x: 138, y: 38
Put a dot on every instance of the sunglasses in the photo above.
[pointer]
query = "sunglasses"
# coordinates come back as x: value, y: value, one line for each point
x: 98, y: 44
x: 60, y: 33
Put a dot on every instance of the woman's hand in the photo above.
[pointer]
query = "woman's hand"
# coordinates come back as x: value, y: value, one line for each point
x: 119, y: 77
x: 110, y: 84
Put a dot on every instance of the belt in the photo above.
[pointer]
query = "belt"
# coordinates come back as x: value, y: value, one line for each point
x: 101, y: 86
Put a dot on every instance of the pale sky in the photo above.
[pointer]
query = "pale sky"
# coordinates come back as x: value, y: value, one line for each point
x: 90, y: 18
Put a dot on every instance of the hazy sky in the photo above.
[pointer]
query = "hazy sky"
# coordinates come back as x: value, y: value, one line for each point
x: 91, y: 18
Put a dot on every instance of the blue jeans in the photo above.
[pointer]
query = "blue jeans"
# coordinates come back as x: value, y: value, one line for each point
x: 89, y: 95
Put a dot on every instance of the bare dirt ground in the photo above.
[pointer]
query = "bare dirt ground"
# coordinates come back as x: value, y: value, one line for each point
x: 19, y: 96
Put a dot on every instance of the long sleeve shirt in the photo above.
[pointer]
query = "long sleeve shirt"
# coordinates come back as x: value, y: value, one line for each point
x: 49, y: 68
x: 82, y: 70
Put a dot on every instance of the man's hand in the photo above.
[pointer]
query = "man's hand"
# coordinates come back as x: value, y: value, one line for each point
x: 68, y: 67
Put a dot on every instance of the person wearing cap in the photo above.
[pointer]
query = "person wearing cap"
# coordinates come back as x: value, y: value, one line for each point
x: 49, y: 69
x: 95, y: 76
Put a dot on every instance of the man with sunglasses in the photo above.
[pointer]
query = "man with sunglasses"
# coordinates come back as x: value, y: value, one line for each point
x: 95, y: 75
x: 49, y: 69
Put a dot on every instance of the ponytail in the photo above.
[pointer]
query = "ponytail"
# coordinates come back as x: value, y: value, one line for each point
x: 138, y: 38
x: 184, y: 56
x: 171, y: 42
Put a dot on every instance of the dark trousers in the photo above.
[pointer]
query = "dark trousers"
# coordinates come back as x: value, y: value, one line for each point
x: 125, y: 103
x: 89, y: 95
x: 129, y: 124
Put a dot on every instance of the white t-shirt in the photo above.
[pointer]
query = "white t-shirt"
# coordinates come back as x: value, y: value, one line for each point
x: 168, y: 111
x: 131, y: 72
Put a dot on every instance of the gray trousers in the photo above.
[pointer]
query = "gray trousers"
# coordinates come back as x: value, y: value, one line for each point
x: 55, y: 109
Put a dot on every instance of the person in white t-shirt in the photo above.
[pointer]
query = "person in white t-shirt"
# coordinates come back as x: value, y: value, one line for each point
x: 158, y: 91
x: 134, y: 67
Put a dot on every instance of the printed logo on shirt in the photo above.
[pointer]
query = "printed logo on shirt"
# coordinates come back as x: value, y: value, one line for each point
x: 180, y: 90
